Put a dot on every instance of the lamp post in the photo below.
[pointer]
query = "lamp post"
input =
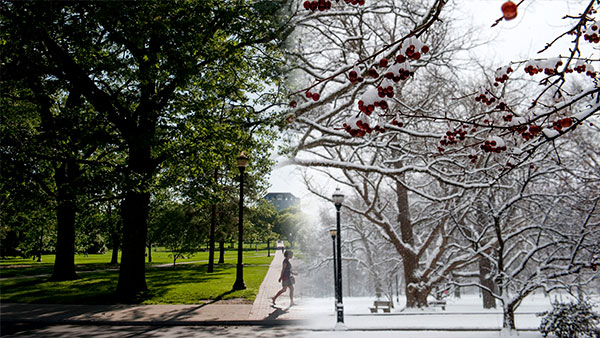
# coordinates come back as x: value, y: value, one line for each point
x: 242, y: 162
x: 338, y: 199
x: 333, y: 233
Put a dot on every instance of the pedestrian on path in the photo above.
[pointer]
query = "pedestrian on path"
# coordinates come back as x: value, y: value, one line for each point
x: 286, y: 278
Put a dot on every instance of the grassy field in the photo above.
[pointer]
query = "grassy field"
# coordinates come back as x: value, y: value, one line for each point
x: 167, y: 284
x: 16, y: 266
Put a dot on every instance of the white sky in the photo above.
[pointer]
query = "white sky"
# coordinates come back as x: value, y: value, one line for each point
x: 538, y: 22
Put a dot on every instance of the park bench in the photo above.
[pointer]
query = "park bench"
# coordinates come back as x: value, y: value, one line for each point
x: 381, y: 304
x: 439, y: 302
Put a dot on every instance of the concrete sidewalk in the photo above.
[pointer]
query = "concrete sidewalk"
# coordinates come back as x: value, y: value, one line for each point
x: 224, y: 312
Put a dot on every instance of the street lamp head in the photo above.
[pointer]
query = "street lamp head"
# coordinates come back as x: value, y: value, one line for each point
x: 338, y: 197
x: 333, y: 232
x: 242, y: 160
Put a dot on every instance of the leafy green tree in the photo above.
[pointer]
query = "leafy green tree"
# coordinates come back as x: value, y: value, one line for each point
x: 261, y: 218
x: 51, y: 142
x: 181, y: 229
x: 139, y: 64
x: 289, y: 222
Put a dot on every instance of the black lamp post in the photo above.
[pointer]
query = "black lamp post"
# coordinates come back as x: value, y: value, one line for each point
x: 333, y: 233
x: 242, y: 162
x: 338, y: 199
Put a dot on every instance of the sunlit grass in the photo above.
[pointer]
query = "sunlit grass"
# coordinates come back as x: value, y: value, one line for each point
x: 14, y: 267
x: 181, y: 284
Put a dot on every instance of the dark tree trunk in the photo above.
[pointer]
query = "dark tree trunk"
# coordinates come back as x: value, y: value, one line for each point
x: 221, y: 252
x: 211, y: 244
x: 116, y: 238
x: 416, y: 297
x: 136, y: 204
x: 508, y: 317
x: 149, y: 252
x: 487, y: 281
x: 132, y: 279
x: 64, y: 264
x: 268, y: 248
x: 41, y: 243
x: 114, y: 259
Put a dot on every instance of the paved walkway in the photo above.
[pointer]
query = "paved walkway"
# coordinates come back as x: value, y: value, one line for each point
x: 225, y: 312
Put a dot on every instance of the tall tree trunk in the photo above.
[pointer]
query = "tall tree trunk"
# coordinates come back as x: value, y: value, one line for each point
x: 211, y: 244
x: 116, y: 238
x: 508, y: 318
x: 213, y: 228
x: 134, y: 213
x: 221, y: 252
x: 487, y: 281
x: 416, y: 295
x: 132, y: 279
x: 64, y: 264
x: 149, y: 252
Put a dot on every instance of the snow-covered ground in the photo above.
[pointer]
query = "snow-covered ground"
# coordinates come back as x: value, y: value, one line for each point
x: 463, y: 317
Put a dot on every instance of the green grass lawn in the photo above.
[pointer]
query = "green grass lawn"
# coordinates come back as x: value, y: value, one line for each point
x: 181, y: 284
x: 15, y: 267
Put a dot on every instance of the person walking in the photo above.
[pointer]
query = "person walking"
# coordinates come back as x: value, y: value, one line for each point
x: 286, y: 278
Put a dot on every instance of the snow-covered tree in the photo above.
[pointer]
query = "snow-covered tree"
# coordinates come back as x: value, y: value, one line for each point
x: 383, y: 112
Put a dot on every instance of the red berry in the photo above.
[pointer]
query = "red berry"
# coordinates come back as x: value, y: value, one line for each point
x: 383, y: 62
x: 316, y: 96
x: 308, y: 94
x: 425, y: 49
x: 509, y: 9
x: 293, y: 104
x: 306, y: 4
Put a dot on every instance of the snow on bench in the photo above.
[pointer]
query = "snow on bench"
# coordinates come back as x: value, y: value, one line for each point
x: 381, y: 304
x: 441, y: 303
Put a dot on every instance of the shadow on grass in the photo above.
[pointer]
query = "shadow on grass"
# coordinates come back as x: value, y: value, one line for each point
x: 182, y: 284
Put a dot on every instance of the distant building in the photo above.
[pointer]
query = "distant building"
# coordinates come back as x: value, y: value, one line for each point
x: 282, y: 200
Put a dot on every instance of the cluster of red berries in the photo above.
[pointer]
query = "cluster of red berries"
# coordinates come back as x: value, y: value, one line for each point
x: 370, y: 100
x: 530, y: 133
x: 413, y: 48
x: 314, y: 96
x: 591, y: 33
x: 502, y: 106
x: 354, y: 76
x: 562, y: 123
x: 482, y: 97
x: 379, y: 127
x: 385, y: 89
x: 358, y: 126
x: 548, y: 67
x: 493, y: 145
x: 369, y: 108
x: 582, y: 67
x: 400, y: 71
x: 502, y: 75
x: 397, y: 123
x: 473, y: 158
x: 321, y: 5
x: 453, y: 136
